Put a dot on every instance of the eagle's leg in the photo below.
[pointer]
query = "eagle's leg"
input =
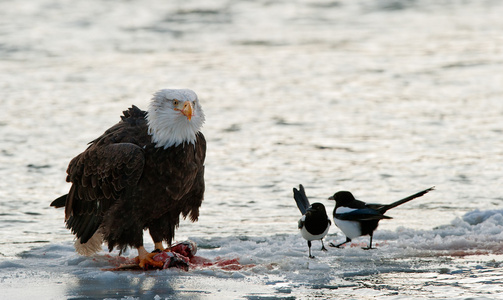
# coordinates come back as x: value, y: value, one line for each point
x: 157, y: 238
x: 145, y: 259
x: 158, y: 246
x: 161, y: 230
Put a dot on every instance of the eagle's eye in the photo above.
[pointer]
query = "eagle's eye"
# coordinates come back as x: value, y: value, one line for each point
x: 175, y: 102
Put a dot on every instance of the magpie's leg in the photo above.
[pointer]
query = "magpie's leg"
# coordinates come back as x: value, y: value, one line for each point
x: 309, y: 245
x: 370, y: 245
x: 323, y: 246
x: 339, y: 245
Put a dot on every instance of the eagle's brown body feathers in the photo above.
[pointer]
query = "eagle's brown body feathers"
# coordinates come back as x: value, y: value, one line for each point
x: 122, y: 184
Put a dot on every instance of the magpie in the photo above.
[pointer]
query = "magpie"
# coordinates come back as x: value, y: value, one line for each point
x: 356, y: 218
x: 315, y: 222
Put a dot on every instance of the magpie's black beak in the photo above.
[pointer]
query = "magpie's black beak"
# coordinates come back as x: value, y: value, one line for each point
x: 331, y: 198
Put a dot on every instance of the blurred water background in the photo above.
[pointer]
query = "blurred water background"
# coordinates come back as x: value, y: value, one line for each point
x: 382, y: 98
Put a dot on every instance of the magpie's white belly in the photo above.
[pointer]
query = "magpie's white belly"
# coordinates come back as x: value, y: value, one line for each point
x: 351, y: 229
x: 310, y: 237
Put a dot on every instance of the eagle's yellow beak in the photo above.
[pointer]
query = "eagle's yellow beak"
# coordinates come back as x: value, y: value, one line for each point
x: 187, y: 110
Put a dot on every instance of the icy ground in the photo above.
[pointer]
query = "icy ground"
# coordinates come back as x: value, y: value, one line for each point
x: 458, y: 260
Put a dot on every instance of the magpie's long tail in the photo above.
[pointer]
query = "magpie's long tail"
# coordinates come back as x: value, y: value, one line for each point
x: 384, y: 208
x: 301, y: 199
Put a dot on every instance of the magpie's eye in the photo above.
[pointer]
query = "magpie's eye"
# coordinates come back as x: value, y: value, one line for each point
x: 175, y: 102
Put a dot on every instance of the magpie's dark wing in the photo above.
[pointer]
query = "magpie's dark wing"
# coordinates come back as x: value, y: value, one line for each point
x: 384, y: 208
x: 364, y: 214
x: 301, y: 199
x: 375, y: 206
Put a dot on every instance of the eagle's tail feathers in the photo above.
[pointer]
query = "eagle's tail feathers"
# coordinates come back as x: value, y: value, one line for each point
x: 60, y: 202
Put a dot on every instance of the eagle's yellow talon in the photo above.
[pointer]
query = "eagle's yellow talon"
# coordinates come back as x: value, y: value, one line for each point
x: 145, y: 259
x: 148, y: 261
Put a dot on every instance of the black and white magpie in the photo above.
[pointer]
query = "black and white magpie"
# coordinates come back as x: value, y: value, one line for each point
x: 315, y: 222
x: 356, y: 218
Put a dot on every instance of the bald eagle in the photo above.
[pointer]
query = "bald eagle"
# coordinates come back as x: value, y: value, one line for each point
x: 142, y: 173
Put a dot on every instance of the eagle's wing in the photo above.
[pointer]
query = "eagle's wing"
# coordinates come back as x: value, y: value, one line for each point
x: 195, y: 196
x: 101, y: 175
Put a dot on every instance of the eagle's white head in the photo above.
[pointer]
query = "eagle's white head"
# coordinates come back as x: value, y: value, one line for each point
x: 174, y: 117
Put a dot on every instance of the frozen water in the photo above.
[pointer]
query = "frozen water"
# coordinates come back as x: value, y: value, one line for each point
x: 382, y: 98
x: 456, y: 260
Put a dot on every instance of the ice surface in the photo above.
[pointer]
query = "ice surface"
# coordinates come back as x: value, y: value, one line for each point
x: 457, y: 256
